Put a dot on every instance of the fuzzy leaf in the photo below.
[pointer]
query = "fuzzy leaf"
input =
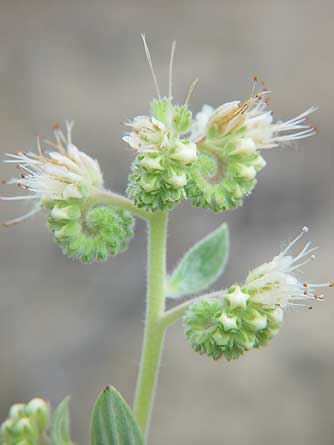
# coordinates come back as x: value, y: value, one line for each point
x: 112, y: 421
x: 60, y: 424
x: 201, y: 265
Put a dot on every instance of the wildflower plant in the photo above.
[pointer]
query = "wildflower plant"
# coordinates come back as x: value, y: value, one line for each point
x: 213, y: 160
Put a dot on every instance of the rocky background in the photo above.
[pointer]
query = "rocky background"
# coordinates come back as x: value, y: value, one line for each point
x: 68, y: 328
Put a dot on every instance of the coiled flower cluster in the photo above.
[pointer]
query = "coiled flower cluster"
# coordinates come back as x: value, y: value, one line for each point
x: 160, y: 171
x: 26, y: 423
x: 88, y: 232
x: 65, y: 181
x: 248, y: 316
x: 224, y: 327
x: 229, y: 141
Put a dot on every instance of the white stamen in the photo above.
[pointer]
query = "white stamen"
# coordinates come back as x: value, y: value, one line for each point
x: 191, y: 89
x: 11, y: 222
x: 276, y: 282
x: 18, y: 198
x: 54, y: 175
x: 304, y: 230
x: 149, y: 60
x: 171, y: 63
x: 69, y: 126
x: 39, y: 147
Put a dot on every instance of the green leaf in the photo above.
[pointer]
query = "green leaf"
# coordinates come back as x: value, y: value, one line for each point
x: 112, y: 421
x: 201, y: 265
x: 60, y: 424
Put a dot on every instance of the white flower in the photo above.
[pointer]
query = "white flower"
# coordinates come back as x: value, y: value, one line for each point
x: 186, y: 153
x: 277, y: 282
x: 200, y: 123
x: 257, y: 121
x: 148, y: 134
x: 61, y: 173
x: 266, y: 134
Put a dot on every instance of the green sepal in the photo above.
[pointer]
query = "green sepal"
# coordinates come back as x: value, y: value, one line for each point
x: 201, y: 265
x: 112, y: 422
x: 162, y: 110
x: 182, y: 119
x: 60, y: 424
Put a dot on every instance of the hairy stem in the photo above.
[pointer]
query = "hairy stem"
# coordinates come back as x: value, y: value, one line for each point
x: 154, y: 329
x: 109, y: 198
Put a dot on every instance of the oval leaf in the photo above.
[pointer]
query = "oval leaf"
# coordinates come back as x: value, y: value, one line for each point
x: 112, y: 421
x: 201, y: 265
x: 60, y: 424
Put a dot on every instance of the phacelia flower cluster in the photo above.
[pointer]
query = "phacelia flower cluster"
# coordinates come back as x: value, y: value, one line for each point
x: 247, y: 316
x: 212, y: 160
x: 160, y: 171
x: 65, y: 180
x: 164, y: 150
x: 26, y: 423
x: 229, y: 141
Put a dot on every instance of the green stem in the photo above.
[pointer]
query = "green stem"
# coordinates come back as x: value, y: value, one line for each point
x: 110, y: 198
x: 154, y: 329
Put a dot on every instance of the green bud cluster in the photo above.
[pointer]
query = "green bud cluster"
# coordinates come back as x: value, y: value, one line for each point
x: 225, y: 171
x: 26, y: 423
x: 90, y: 232
x: 160, y: 171
x: 156, y: 188
x: 228, y: 327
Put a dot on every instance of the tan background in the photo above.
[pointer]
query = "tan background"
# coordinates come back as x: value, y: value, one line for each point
x: 67, y: 328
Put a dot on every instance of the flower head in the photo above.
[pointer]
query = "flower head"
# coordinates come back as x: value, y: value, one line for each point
x: 26, y: 423
x: 256, y: 120
x: 278, y: 283
x: 229, y: 141
x: 59, y: 171
x: 164, y: 150
x: 247, y: 316
x: 64, y: 181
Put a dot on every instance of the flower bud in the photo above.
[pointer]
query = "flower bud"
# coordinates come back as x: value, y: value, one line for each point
x: 259, y: 163
x: 228, y: 322
x: 70, y: 212
x: 17, y: 410
x: 178, y: 181
x: 149, y: 182
x: 185, y: 152
x: 246, y: 172
x: 245, y: 146
x: 151, y: 163
x: 25, y: 427
x: 236, y: 298
x: 256, y: 320
x: 39, y: 410
x: 8, y: 428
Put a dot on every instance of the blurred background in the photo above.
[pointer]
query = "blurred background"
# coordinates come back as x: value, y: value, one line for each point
x: 68, y: 328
